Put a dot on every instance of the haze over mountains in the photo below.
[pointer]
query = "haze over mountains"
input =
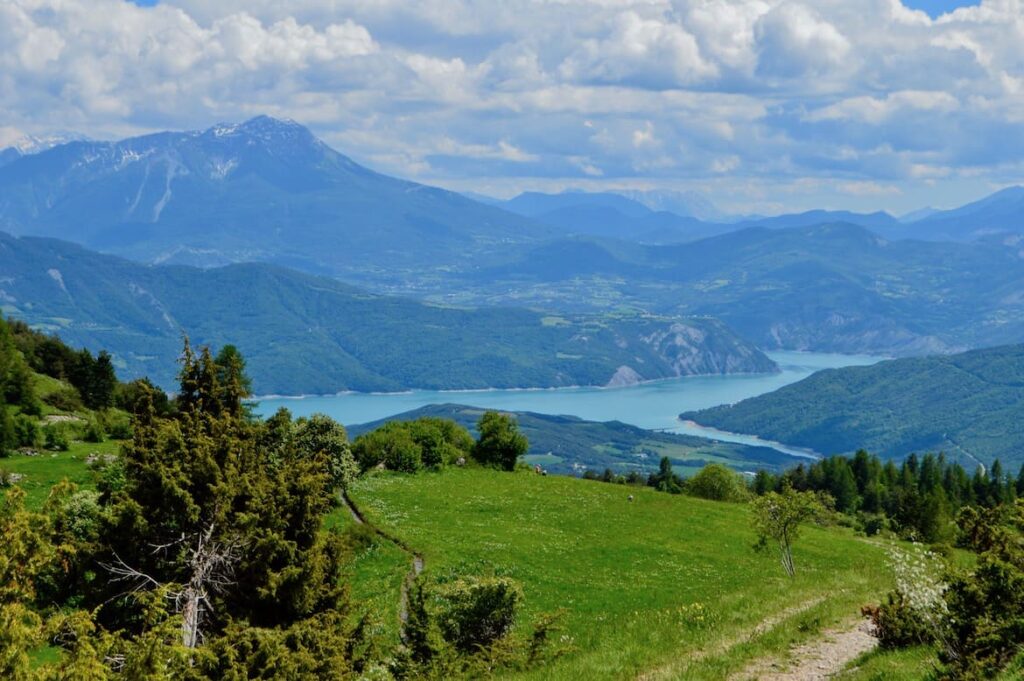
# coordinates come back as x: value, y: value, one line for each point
x: 262, y: 190
x: 833, y: 287
x: 270, y: 191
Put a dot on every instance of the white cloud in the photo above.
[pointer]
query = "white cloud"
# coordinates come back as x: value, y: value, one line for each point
x: 502, y: 151
x: 764, y: 94
x: 876, y: 110
x: 793, y: 40
x: 644, y: 51
x: 868, y: 188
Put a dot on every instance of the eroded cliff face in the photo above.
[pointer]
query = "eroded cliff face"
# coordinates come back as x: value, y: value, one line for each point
x: 689, y: 347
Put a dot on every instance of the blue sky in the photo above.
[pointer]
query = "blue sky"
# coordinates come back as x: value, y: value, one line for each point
x: 937, y: 7
x: 757, y: 105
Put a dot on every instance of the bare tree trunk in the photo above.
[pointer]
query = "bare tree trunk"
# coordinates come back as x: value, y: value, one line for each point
x: 190, y: 623
x: 211, y: 570
x: 787, y: 555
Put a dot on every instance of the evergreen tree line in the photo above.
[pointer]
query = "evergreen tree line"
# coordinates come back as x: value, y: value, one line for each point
x: 917, y: 498
x: 90, y: 390
x: 92, y: 376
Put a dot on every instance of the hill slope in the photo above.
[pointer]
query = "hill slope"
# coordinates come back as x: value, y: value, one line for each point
x: 568, y: 445
x: 662, y: 585
x: 307, y: 334
x: 967, y: 405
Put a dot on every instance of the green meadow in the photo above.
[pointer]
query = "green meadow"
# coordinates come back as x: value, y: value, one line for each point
x: 660, y: 587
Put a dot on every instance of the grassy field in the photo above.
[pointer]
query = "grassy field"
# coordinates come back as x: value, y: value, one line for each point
x: 663, y: 587
x: 660, y: 587
x: 43, y: 471
x: 881, y: 665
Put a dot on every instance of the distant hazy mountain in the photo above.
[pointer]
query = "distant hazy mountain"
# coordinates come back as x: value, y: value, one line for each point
x: 570, y: 445
x: 610, y: 215
x: 308, y: 334
x: 32, y: 144
x: 687, y: 204
x: 830, y: 287
x: 879, y: 221
x: 537, y: 204
x: 919, y: 214
x: 968, y: 406
x: 1000, y: 213
x: 262, y: 190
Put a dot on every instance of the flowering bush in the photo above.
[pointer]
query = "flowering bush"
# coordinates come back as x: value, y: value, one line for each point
x: 915, y: 612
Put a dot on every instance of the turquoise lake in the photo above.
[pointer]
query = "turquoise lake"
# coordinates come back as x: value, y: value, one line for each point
x: 653, y: 405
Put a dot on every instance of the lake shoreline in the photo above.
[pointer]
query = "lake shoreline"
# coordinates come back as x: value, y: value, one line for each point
x: 460, y: 391
x: 651, y: 405
x: 708, y: 432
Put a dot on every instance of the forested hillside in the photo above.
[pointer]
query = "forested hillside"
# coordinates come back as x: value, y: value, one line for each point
x: 307, y: 334
x: 50, y: 392
x: 967, y: 405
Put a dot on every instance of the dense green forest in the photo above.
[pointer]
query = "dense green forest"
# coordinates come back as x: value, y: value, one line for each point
x: 966, y: 405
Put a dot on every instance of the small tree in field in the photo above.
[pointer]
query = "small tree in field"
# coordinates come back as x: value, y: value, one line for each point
x: 778, y: 516
x: 500, y: 444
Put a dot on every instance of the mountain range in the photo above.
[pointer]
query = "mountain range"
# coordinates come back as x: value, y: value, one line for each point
x: 269, y: 191
x: 629, y: 216
x: 263, y: 190
x: 832, y: 287
x: 307, y: 334
x: 967, y: 405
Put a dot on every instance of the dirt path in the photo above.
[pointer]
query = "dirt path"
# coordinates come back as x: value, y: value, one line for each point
x: 410, y: 577
x: 676, y: 667
x: 819, y: 659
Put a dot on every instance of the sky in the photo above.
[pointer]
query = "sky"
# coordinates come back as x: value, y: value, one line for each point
x: 761, y: 106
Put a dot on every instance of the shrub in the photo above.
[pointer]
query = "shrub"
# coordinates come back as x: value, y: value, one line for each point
x: 391, y: 445
x: 500, y: 444
x: 477, y: 611
x: 55, y: 438
x: 93, y: 432
x: 915, y: 612
x: 430, y: 440
x: 874, y: 524
x: 359, y: 537
x: 718, y: 483
x: 26, y: 431
x: 897, y: 625
x: 65, y: 399
x: 322, y: 435
x: 402, y: 453
x: 118, y: 425
x: 986, y: 605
